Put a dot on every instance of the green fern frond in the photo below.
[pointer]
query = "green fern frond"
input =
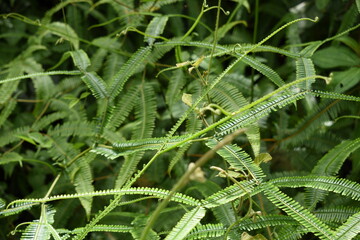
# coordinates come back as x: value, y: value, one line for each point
x: 119, y: 112
x: 261, y: 222
x: 338, y: 185
x: 155, y: 28
x: 40, y: 74
x: 147, y: 144
x: 228, y: 96
x: 224, y: 213
x: 46, y: 120
x: 96, y: 84
x: 113, y: 62
x: 75, y: 114
x: 155, y: 4
x: 36, y: 230
x: 81, y: 177
x: 64, y: 31
x: 8, y: 108
x: 156, y: 192
x: 239, y: 160
x: 101, y: 228
x: 73, y: 129
x: 61, y: 150
x: 305, y: 68
x: 264, y: 69
x: 145, y: 113
x: 350, y: 229
x: 336, y: 214
x: 231, y: 99
x: 41, y: 229
x: 252, y: 62
x: 176, y: 83
x: 178, y: 156
x: 333, y: 95
x: 207, y: 231
x: 16, y: 209
x: 11, y: 136
x: 296, y: 211
x: 258, y: 112
x: 309, y: 125
x: 106, y: 152
x: 127, y: 70
x: 233, y: 49
x: 330, y: 165
x: 331, y: 162
x: 186, y: 223
x: 229, y: 194
x: 44, y: 85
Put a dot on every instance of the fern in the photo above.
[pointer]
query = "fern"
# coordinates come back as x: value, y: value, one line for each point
x: 350, y: 229
x: 155, y: 28
x: 239, y: 160
x: 336, y: 214
x: 160, y: 193
x: 259, y: 112
x: 81, y: 176
x: 127, y: 70
x: 207, y: 231
x: 121, y: 109
x: 229, y: 194
x: 258, y: 222
x: 145, y: 112
x: 39, y: 229
x: 187, y: 223
x: 338, y: 185
x: 296, y: 211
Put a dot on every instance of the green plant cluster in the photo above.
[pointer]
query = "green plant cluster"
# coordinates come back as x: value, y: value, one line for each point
x: 179, y: 119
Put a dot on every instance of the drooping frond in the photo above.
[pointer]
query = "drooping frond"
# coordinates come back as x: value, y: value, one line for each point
x: 336, y: 214
x: 176, y: 83
x: 122, y: 108
x: 156, y: 192
x: 305, y: 68
x: 127, y: 70
x: 96, y: 84
x: 228, y: 96
x: 186, y: 224
x: 46, y: 120
x: 81, y: 176
x: 239, y: 160
x: 16, y: 209
x: 260, y: 222
x: 64, y: 31
x: 12, y: 135
x: 350, y: 229
x: 334, y: 95
x: 229, y: 194
x: 9, y: 106
x: 342, y: 186
x: 231, y: 98
x: 147, y: 144
x: 145, y: 113
x: 258, y: 112
x: 331, y: 162
x: 329, y: 165
x: 207, y: 231
x: 155, y: 29
x: 102, y: 228
x: 41, y: 229
x: 296, y: 211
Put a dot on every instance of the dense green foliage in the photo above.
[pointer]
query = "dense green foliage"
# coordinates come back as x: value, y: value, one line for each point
x: 179, y: 119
